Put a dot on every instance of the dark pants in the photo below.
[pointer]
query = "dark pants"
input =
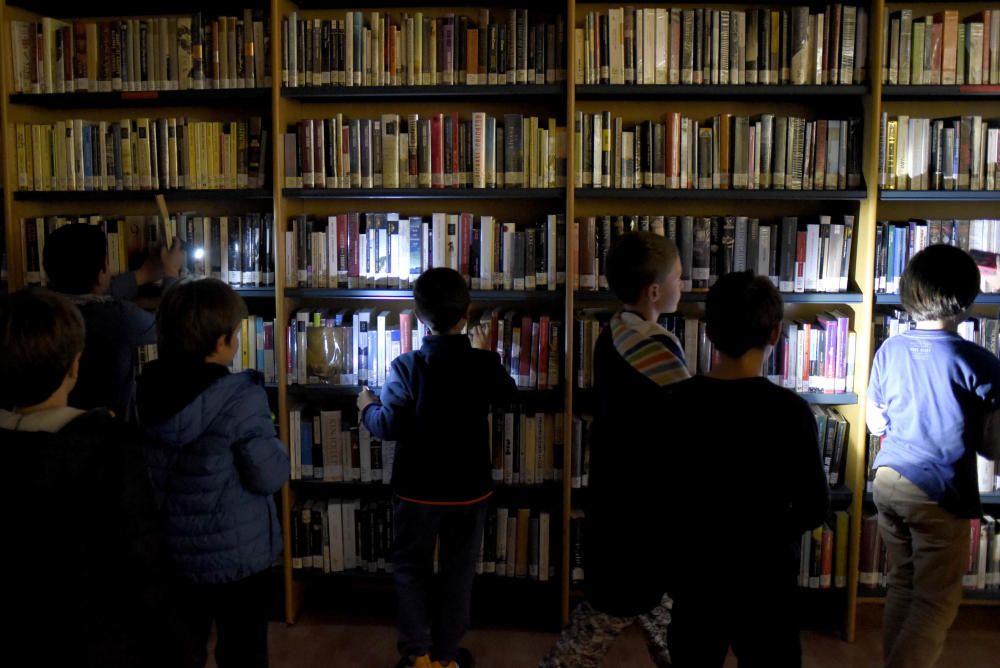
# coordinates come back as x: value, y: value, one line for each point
x: 434, y: 611
x: 240, y: 612
x: 762, y: 630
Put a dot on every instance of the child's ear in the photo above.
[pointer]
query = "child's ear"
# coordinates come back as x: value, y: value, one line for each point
x: 775, y: 335
x: 74, y: 368
x: 224, y: 341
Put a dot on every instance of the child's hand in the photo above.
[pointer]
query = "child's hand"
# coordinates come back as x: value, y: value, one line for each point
x: 481, y: 337
x: 365, y: 398
x: 172, y: 258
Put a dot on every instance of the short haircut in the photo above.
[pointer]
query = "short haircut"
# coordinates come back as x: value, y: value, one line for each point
x: 192, y: 316
x: 939, y: 283
x: 74, y: 257
x: 636, y: 261
x: 41, y: 333
x: 741, y: 313
x: 441, y: 298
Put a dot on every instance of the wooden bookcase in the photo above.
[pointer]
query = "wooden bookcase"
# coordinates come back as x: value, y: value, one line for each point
x: 281, y: 107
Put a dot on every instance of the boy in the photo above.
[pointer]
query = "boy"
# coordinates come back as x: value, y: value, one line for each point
x: 215, y: 463
x: 435, y: 404
x: 634, y: 359
x: 743, y: 481
x: 76, y: 496
x: 76, y: 263
x: 935, y: 397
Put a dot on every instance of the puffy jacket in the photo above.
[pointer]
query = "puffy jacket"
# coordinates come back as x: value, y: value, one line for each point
x: 215, y: 463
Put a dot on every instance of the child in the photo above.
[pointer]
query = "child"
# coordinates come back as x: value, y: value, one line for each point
x: 93, y: 566
x: 435, y: 404
x: 634, y: 359
x: 743, y: 480
x: 76, y: 263
x: 935, y: 396
x: 215, y: 464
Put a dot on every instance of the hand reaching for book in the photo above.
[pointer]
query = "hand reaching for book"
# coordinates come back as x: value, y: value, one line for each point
x: 171, y: 259
x: 480, y: 337
x: 365, y: 398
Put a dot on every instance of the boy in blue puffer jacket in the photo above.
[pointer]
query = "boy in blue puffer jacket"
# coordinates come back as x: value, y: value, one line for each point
x: 215, y: 463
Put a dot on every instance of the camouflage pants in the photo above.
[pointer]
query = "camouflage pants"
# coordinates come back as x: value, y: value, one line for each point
x: 587, y: 639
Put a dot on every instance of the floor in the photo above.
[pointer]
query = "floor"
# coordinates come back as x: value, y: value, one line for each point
x: 321, y: 640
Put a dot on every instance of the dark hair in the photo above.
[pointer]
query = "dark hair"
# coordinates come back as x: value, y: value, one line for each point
x: 441, y: 298
x: 74, y: 256
x: 741, y: 312
x: 41, y: 333
x: 940, y: 282
x: 192, y: 316
x: 636, y: 261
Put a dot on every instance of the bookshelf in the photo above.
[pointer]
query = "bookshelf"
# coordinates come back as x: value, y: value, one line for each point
x: 934, y: 101
x: 281, y: 106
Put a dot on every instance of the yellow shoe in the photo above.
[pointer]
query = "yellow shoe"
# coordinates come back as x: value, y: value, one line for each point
x: 438, y: 664
x: 422, y: 662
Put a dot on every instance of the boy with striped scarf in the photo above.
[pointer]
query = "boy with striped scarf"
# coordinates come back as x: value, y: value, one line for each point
x: 635, y: 359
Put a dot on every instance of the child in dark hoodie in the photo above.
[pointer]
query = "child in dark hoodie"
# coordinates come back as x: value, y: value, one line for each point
x: 435, y: 404
x: 215, y: 464
x: 93, y: 569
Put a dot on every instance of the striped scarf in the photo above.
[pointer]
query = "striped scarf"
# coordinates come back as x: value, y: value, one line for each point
x: 642, y: 344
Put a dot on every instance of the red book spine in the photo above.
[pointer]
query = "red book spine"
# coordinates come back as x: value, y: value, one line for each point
x: 437, y: 151
x: 343, y: 243
x: 465, y: 245
x: 405, y: 331
x: 455, y: 166
x: 354, y: 260
x: 800, y: 262
x: 543, y: 352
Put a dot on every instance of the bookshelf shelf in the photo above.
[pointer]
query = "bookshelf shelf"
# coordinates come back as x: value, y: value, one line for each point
x: 256, y: 293
x: 426, y: 193
x: 895, y: 300
x: 64, y: 9
x: 939, y: 195
x: 725, y: 195
x: 397, y: 295
x: 876, y: 595
x: 940, y: 92
x: 420, y: 93
x: 168, y: 98
x: 707, y: 92
x: 133, y: 195
x: 854, y: 297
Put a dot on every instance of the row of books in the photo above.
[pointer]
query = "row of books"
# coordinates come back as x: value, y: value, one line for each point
x: 672, y: 45
x: 725, y: 152
x: 987, y: 471
x: 337, y: 535
x: 811, y: 356
x: 256, y: 351
x: 823, y: 555
x: 141, y: 154
x: 810, y: 255
x: 439, y: 151
x: 939, y: 153
x: 357, y: 348
x: 494, y: 47
x: 325, y: 447
x: 526, y: 447
x: 941, y: 49
x: 981, y: 330
x: 896, y: 242
x: 238, y: 250
x: 389, y: 250
x: 157, y: 53
x: 982, y: 571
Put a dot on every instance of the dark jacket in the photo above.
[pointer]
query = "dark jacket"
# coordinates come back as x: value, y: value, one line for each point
x: 86, y: 566
x: 435, y: 404
x: 116, y: 328
x: 215, y: 463
x: 624, y: 544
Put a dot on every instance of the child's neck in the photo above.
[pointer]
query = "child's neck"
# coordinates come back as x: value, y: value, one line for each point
x: 645, y: 309
x: 60, y: 399
x: 947, y: 325
x: 750, y: 365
